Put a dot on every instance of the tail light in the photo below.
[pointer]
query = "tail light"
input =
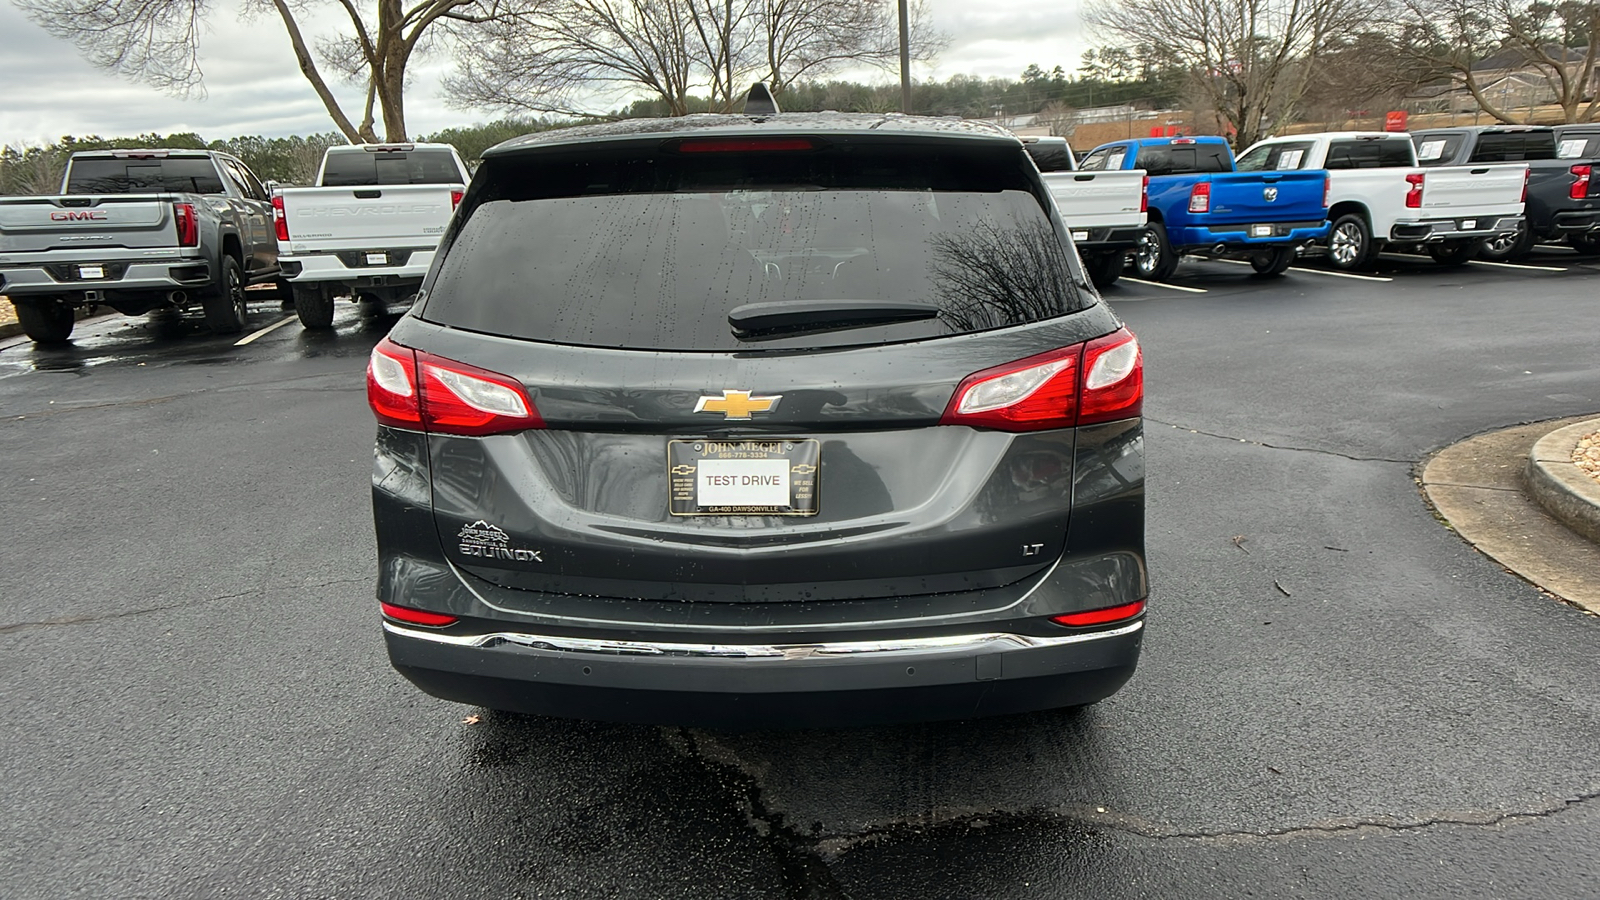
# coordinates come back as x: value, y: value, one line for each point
x: 455, y: 198
x: 1527, y: 175
x: 1101, y: 616
x: 1144, y: 196
x: 1414, y: 192
x: 1580, y: 183
x: 416, y: 390
x: 416, y: 616
x: 280, y: 220
x: 1098, y: 381
x: 188, y: 226
x: 1327, y: 191
x: 1200, y: 197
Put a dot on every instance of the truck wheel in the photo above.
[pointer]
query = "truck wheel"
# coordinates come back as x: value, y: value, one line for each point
x: 1503, y: 247
x: 45, y: 321
x: 1153, y: 259
x: 227, y: 310
x: 1104, y: 270
x: 314, y: 305
x: 1273, y: 262
x: 1350, y: 243
x: 1588, y: 244
x: 1454, y: 253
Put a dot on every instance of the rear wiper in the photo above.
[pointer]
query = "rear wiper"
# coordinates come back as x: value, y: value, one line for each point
x: 781, y: 318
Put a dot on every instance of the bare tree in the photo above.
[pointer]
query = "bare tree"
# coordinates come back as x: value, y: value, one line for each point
x: 1473, y: 42
x: 806, y: 40
x: 28, y: 169
x: 1251, y: 60
x: 156, y: 41
x: 1060, y: 118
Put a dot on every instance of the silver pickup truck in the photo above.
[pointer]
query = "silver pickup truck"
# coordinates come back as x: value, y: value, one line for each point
x: 138, y: 231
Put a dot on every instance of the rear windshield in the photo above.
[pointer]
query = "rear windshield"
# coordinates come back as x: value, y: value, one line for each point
x: 1183, y: 159
x: 193, y: 175
x: 348, y: 168
x: 1050, y: 156
x: 1437, y: 149
x: 1579, y: 145
x: 1370, y: 153
x: 1274, y: 157
x: 1514, y: 146
x: 655, y: 252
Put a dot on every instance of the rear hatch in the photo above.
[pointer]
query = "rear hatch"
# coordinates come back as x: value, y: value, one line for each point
x: 1245, y: 197
x: 60, y: 225
x: 739, y: 355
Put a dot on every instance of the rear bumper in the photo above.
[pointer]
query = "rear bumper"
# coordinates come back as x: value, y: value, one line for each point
x: 1429, y: 231
x: 747, y: 685
x: 1097, y: 240
x: 175, y: 274
x: 1576, y: 221
x: 1243, y: 235
x: 329, y: 267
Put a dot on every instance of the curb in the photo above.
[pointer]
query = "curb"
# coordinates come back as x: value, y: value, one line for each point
x: 1555, y: 481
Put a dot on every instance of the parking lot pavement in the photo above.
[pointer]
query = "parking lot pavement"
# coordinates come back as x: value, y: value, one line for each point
x: 1338, y: 696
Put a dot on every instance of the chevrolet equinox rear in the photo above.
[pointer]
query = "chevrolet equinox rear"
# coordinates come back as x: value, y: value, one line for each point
x: 765, y: 420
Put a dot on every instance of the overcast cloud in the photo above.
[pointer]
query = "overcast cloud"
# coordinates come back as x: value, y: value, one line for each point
x: 253, y: 87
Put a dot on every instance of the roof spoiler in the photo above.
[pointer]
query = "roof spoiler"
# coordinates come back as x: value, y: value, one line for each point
x: 759, y: 101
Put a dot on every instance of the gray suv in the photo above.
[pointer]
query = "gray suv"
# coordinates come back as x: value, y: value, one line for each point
x: 765, y: 420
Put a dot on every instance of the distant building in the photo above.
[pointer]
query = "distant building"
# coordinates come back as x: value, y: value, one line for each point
x: 1507, y: 79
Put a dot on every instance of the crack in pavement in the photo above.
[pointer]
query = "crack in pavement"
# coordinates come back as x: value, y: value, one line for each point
x: 1239, y: 440
x: 123, y: 614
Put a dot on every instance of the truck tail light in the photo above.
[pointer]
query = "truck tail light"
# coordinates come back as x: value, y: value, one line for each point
x: 1414, y: 192
x: 1527, y: 175
x: 455, y: 198
x: 1327, y: 191
x: 188, y: 226
x: 419, y: 391
x: 1144, y: 196
x: 1200, y: 197
x: 1580, y: 183
x: 1098, y: 381
x: 280, y: 220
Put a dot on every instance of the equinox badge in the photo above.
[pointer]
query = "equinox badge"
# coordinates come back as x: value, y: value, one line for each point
x: 737, y: 404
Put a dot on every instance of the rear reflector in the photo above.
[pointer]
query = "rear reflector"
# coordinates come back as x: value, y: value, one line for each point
x: 420, y: 391
x: 1101, y: 616
x: 745, y: 145
x: 1098, y: 381
x: 416, y: 616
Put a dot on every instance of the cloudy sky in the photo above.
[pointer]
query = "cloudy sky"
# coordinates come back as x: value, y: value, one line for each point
x: 253, y: 87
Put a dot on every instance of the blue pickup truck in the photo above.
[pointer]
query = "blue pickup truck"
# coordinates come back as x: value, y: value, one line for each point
x: 1200, y: 204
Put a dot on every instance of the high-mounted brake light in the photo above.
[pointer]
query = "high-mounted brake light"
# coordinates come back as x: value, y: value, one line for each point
x: 416, y: 616
x: 745, y: 145
x: 1200, y: 197
x: 1098, y: 381
x: 1144, y: 196
x: 188, y: 227
x: 139, y: 154
x: 1183, y: 140
x: 280, y: 220
x: 1580, y: 183
x: 419, y: 391
x: 389, y: 148
x: 1414, y: 182
x: 455, y: 198
x: 1101, y: 616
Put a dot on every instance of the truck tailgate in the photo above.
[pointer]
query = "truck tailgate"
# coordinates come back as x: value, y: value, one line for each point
x: 1098, y: 199
x: 1245, y: 197
x: 45, y: 224
x: 1468, y: 190
x: 375, y: 217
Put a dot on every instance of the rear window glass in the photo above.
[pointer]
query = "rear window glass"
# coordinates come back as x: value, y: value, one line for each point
x: 1437, y: 150
x: 1274, y: 157
x: 1106, y: 158
x: 1514, y: 146
x: 1182, y: 159
x: 1050, y: 156
x: 1372, y: 153
x: 655, y: 252
x: 192, y: 175
x: 1578, y: 145
x: 347, y: 169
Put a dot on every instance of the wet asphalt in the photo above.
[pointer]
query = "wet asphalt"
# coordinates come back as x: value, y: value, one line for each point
x: 1338, y: 697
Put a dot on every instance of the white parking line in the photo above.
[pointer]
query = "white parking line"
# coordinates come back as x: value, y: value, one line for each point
x: 1485, y: 262
x: 265, y: 331
x: 1240, y: 262
x: 1170, y: 287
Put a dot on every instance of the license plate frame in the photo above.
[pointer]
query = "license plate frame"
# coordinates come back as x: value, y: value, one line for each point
x: 1080, y: 235
x: 1263, y: 230
x: 804, y: 456
x: 376, y: 257
x: 1469, y: 224
x: 92, y: 273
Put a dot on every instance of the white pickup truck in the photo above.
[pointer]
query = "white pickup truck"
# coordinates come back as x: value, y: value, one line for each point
x: 370, y: 227
x: 1105, y: 210
x: 1379, y: 195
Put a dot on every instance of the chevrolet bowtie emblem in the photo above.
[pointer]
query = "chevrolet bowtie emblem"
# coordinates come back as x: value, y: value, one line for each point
x: 737, y: 404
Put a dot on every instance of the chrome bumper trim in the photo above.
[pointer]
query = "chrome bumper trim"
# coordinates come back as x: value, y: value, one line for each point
x: 851, y: 649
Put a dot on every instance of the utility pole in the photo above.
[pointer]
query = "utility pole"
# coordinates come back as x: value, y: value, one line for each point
x: 905, y: 59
